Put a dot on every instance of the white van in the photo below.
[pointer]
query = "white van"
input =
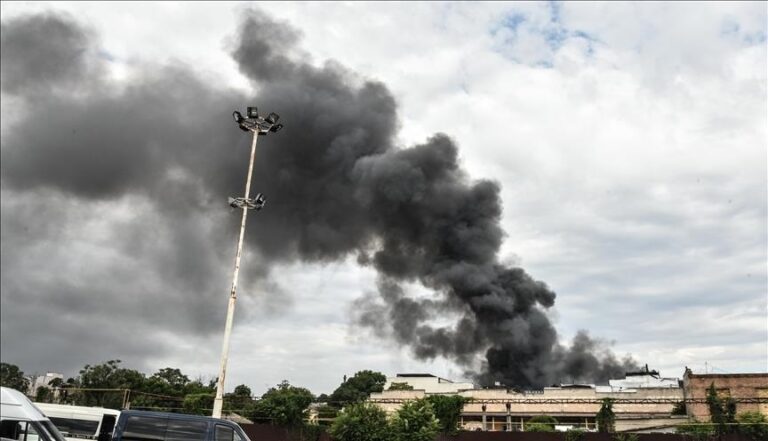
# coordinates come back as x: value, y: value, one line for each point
x: 20, y: 420
x: 81, y: 422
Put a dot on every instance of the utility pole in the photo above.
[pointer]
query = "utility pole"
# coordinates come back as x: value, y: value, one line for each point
x: 258, y: 126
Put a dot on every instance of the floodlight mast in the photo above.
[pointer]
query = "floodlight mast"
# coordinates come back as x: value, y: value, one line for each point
x: 258, y: 126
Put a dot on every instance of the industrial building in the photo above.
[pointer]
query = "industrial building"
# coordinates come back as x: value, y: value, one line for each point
x: 428, y: 383
x: 643, y: 401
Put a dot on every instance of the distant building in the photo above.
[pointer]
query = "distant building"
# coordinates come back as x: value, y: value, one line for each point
x: 641, y: 379
x: 750, y: 391
x: 428, y: 383
x: 42, y: 380
x: 648, y: 404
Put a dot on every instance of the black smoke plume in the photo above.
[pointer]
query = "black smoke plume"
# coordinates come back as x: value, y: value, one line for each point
x: 336, y: 183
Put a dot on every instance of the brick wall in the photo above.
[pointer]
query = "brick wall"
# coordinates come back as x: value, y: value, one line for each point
x: 736, y: 386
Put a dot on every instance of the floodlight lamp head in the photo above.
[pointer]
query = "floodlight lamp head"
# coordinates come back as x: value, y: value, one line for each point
x: 272, y: 118
x: 252, y: 112
x: 276, y: 128
x: 238, y: 117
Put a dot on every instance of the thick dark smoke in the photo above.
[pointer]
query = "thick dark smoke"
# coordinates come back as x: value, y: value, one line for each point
x: 336, y: 185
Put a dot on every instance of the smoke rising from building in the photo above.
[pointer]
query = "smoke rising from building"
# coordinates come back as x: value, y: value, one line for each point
x: 336, y: 185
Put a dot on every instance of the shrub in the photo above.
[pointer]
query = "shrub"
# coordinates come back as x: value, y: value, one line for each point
x: 753, y: 425
x: 541, y: 423
x: 696, y: 430
x: 447, y: 410
x: 574, y: 435
x: 361, y: 422
x: 414, y: 421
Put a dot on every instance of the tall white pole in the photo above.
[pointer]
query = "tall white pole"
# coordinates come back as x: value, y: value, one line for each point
x: 218, y: 403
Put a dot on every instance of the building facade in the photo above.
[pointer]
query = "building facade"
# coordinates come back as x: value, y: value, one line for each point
x: 37, y: 381
x: 749, y: 391
x: 647, y: 406
x: 429, y: 383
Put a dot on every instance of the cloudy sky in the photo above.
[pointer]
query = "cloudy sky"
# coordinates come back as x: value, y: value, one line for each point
x: 628, y: 142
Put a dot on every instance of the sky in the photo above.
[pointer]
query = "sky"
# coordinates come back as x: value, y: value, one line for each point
x: 628, y: 143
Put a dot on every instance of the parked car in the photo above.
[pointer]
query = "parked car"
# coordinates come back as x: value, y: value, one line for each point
x: 20, y: 420
x: 136, y: 425
x: 81, y: 422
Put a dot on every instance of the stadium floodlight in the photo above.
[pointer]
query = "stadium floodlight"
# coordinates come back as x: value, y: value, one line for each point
x: 272, y: 118
x: 256, y: 203
x: 258, y: 125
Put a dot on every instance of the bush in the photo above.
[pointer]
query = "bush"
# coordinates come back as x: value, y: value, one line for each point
x: 414, y: 421
x: 361, y: 422
x: 538, y: 427
x: 696, y: 430
x: 447, y: 410
x: 574, y: 435
x: 753, y: 425
x: 541, y: 423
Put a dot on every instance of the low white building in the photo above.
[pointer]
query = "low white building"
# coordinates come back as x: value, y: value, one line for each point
x: 640, y: 380
x: 429, y: 383
x: 41, y: 380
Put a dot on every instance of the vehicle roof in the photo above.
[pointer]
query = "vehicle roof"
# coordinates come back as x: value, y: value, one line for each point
x: 176, y: 416
x: 15, y: 405
x: 68, y: 410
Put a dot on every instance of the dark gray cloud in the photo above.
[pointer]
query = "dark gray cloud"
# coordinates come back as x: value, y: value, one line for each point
x: 48, y: 51
x: 145, y: 169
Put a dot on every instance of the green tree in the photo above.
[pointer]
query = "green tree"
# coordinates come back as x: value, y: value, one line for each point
x: 326, y: 413
x: 414, y: 421
x: 109, y: 375
x: 358, y: 388
x: 284, y: 405
x: 679, y: 408
x: 66, y: 395
x: 172, y: 377
x: 198, y: 387
x: 753, y: 425
x: 239, y: 401
x: 541, y: 423
x: 361, y: 422
x: 11, y: 376
x: 400, y: 386
x: 167, y: 381
x: 721, y: 411
x: 43, y: 394
x: 448, y: 410
x: 605, y: 418
x: 198, y: 403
